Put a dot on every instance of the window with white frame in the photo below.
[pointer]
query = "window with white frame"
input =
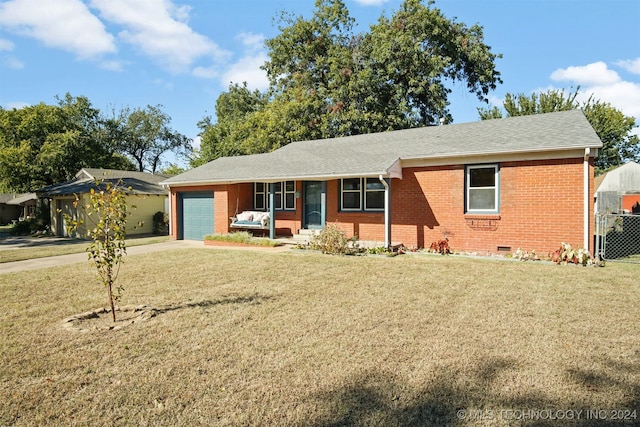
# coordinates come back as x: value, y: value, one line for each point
x: 259, y: 193
x: 284, y: 195
x: 361, y: 194
x: 482, y: 188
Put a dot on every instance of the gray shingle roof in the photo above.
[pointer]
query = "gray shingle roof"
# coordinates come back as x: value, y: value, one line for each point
x: 95, y: 173
x: 132, y: 182
x: 376, y: 153
x: 22, y: 198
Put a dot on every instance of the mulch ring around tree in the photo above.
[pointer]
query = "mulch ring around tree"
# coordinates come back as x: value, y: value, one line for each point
x: 101, y: 319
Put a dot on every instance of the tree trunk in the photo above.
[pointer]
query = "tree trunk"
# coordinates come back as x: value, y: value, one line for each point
x: 109, y: 287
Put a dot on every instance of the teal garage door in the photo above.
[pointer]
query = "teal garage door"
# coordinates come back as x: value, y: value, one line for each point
x: 197, y: 215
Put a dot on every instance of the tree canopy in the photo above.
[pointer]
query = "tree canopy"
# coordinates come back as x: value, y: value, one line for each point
x: 326, y: 80
x: 46, y: 144
x: 612, y: 127
x: 145, y: 135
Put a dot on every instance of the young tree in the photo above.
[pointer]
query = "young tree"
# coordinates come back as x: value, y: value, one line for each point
x: 107, y: 210
x: 613, y: 128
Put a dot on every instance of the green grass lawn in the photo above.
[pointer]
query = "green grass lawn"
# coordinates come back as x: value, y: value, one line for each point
x: 67, y: 248
x: 299, y: 339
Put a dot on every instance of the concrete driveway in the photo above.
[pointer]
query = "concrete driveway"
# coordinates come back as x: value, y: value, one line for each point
x: 53, y: 261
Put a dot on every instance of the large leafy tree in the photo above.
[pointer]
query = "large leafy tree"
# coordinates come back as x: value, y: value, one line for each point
x: 613, y: 128
x: 326, y: 80
x: 145, y: 135
x: 44, y: 144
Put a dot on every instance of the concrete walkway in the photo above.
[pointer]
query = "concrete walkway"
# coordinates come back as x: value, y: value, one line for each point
x: 54, y: 261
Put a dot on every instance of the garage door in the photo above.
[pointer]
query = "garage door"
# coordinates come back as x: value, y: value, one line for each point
x: 197, y: 215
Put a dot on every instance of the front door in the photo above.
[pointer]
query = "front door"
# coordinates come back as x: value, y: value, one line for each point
x: 312, y: 209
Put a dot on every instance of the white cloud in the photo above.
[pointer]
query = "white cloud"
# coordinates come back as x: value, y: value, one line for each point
x: 632, y: 66
x: 605, y: 85
x: 112, y: 65
x: 371, y: 2
x: 592, y: 74
x: 252, y: 42
x: 64, y: 24
x: 196, y: 142
x: 158, y: 28
x: 247, y: 69
x: 206, y: 72
x: 12, y: 62
x: 6, y: 45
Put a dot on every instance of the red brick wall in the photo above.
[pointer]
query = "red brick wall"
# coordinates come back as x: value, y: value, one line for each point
x: 234, y: 198
x: 541, y: 205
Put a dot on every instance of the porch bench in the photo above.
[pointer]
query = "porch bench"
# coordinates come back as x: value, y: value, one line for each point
x: 252, y: 220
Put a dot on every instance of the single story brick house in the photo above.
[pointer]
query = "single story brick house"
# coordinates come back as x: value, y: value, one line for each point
x: 143, y: 191
x: 489, y: 186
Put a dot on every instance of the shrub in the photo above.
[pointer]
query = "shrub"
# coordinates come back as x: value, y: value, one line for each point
x: 441, y: 247
x: 566, y: 254
x: 241, y: 237
x: 160, y: 223
x: 523, y: 255
x: 332, y: 240
x: 24, y: 228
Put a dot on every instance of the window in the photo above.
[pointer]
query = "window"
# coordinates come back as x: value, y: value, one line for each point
x: 374, y: 195
x: 350, y: 194
x: 482, y: 189
x: 358, y: 192
x: 259, y: 193
x: 284, y: 195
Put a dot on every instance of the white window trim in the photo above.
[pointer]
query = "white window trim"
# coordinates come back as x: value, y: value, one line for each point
x: 367, y: 191
x: 358, y: 191
x: 496, y: 188
x: 280, y: 194
x: 362, y: 196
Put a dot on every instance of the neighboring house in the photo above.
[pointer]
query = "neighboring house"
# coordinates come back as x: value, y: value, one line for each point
x: 488, y: 186
x: 618, y: 191
x: 143, y: 191
x: 26, y: 203
x: 8, y: 212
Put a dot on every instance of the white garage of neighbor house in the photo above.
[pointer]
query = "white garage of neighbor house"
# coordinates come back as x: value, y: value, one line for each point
x: 142, y: 188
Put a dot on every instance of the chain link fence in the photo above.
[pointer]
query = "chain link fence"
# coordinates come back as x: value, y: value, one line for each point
x: 618, y: 237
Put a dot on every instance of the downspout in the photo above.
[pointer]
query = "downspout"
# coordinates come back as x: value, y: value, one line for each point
x: 587, y: 198
x: 272, y: 211
x: 170, y: 212
x: 387, y: 223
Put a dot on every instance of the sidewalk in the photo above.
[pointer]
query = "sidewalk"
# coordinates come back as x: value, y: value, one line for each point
x: 53, y: 261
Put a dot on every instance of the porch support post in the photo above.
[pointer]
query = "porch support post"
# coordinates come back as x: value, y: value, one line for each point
x: 272, y: 210
x: 387, y: 212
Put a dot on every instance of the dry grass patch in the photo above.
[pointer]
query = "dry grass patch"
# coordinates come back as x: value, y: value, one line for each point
x: 253, y: 338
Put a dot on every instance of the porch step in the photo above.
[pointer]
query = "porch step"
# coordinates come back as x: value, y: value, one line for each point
x: 306, y: 232
x: 302, y: 237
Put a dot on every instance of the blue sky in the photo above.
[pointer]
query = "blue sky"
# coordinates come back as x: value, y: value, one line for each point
x: 183, y: 53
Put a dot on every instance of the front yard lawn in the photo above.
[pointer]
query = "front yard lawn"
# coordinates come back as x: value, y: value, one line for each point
x: 253, y: 338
